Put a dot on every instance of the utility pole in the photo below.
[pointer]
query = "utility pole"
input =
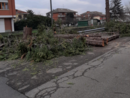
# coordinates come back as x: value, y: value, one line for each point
x: 51, y: 12
x: 107, y: 11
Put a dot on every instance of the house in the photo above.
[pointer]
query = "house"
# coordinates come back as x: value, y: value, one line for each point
x: 78, y: 17
x: 7, y: 13
x: 60, y: 13
x: 90, y: 14
x: 100, y: 17
x: 20, y: 15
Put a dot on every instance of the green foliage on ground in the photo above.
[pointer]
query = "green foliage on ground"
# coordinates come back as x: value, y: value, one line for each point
x: 8, y: 51
x: 1, y: 38
x: 41, y: 47
x: 114, y: 26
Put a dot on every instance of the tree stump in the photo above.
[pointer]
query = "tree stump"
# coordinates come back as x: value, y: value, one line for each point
x: 27, y: 32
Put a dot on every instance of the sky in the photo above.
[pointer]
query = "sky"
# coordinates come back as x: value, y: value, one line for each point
x: 81, y: 6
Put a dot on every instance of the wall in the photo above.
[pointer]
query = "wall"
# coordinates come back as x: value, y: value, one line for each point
x: 55, y: 16
x: 11, y: 10
x: 2, y: 26
x: 97, y: 17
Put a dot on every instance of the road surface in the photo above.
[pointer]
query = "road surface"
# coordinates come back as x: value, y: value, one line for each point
x: 107, y: 76
x: 8, y: 92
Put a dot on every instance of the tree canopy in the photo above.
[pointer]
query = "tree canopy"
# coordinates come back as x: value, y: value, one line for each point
x: 32, y: 21
x: 116, y: 9
x: 30, y: 12
x: 127, y: 8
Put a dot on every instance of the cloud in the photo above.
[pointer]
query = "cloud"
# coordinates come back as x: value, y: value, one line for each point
x: 43, y: 6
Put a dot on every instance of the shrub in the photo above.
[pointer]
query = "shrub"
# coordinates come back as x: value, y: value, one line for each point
x: 1, y: 38
x: 32, y: 22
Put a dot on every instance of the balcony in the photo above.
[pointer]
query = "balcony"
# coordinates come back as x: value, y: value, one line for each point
x: 61, y: 15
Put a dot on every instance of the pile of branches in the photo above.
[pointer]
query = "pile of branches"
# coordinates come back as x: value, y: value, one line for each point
x: 42, y: 46
x: 8, y: 45
x: 114, y: 26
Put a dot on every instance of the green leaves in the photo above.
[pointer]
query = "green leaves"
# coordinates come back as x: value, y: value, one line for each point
x: 32, y: 21
x: 120, y: 27
x: 22, y: 48
x: 1, y: 37
x: 76, y: 47
x: 43, y: 47
x: 71, y: 83
x: 2, y: 57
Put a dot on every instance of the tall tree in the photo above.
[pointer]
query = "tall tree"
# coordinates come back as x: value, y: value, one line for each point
x: 107, y: 10
x: 30, y: 12
x: 116, y: 9
x: 59, y: 22
x: 127, y: 8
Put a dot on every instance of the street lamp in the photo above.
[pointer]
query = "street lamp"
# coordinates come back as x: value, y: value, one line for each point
x: 51, y: 12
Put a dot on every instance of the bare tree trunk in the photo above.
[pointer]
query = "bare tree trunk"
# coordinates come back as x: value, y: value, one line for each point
x: 107, y: 11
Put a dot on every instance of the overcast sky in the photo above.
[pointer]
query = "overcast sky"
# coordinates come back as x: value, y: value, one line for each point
x: 43, y: 6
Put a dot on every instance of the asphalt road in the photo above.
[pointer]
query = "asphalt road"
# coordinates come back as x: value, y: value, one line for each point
x: 8, y: 92
x: 107, y: 76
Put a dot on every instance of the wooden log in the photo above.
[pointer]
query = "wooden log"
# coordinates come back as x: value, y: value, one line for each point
x: 71, y: 36
x: 99, y: 39
x: 105, y: 40
x: 92, y: 36
x: 110, y: 38
x: 1, y: 45
x: 95, y: 42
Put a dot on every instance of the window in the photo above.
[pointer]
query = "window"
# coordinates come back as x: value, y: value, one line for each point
x: 19, y: 16
x: 6, y: 5
x: 3, y: 5
x: 25, y: 16
x: 60, y: 13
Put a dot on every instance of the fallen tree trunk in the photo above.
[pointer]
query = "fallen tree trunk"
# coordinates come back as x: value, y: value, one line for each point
x: 92, y: 35
x: 95, y: 42
x: 99, y: 39
x: 110, y: 38
x: 1, y: 45
x: 69, y: 36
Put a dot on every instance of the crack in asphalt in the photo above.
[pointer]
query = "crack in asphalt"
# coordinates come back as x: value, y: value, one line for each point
x: 92, y: 79
x: 120, y: 93
x: 57, y: 82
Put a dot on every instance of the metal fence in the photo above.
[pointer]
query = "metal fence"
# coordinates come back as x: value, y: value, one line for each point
x: 92, y: 30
